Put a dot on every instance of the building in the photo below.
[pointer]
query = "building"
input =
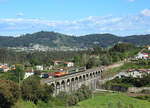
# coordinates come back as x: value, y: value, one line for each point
x: 69, y: 64
x: 148, y: 48
x: 28, y: 73
x: 57, y: 62
x: 94, y: 56
x: 4, y: 68
x: 142, y: 56
x: 40, y: 67
x: 136, y: 73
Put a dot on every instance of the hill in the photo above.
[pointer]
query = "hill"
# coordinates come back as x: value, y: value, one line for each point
x: 53, y: 39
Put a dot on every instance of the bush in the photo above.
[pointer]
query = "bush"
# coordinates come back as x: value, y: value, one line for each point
x: 73, y: 100
x: 81, y: 94
x: 32, y: 90
x: 9, y: 93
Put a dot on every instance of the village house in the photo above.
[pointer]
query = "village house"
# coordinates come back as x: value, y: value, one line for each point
x: 4, y: 67
x: 48, y: 67
x: 136, y: 73
x: 57, y: 62
x: 69, y: 64
x: 142, y: 56
x: 148, y: 48
x: 94, y: 56
x: 28, y: 73
x: 40, y: 67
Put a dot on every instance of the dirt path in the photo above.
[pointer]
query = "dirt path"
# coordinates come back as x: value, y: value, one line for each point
x: 114, y: 65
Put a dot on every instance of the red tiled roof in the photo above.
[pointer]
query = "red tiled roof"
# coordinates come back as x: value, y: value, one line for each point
x: 57, y: 61
x: 145, y: 53
x: 4, y: 67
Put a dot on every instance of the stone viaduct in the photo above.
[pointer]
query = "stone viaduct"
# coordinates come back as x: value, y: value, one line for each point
x: 71, y: 83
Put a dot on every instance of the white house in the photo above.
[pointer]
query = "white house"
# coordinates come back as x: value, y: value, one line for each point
x: 142, y: 55
x: 28, y: 73
x: 148, y: 48
x: 136, y: 74
x: 57, y: 62
x: 4, y: 68
x: 69, y: 64
x: 39, y: 67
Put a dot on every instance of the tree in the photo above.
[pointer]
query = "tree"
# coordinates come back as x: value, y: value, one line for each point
x: 32, y: 90
x: 17, y: 74
x: 97, y: 49
x: 9, y: 93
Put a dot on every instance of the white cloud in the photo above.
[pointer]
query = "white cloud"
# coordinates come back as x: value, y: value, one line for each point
x: 20, y: 14
x: 145, y: 12
x: 131, y: 0
x: 124, y: 25
x: 3, y: 0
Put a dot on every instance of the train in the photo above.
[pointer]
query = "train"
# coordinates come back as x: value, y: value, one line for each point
x: 63, y: 72
x: 69, y: 71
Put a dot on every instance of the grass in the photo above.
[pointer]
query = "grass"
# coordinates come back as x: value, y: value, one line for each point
x: 24, y: 104
x: 99, y: 100
x: 112, y: 100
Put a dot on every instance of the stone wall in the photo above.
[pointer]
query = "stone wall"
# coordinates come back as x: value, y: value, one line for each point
x: 137, y: 89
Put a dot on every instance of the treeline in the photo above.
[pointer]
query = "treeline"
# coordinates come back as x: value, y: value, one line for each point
x: 36, y: 57
x: 109, y: 56
x: 29, y: 90
x: 94, y: 57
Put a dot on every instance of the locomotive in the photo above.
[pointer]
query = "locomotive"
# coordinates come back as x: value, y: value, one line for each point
x: 64, y: 72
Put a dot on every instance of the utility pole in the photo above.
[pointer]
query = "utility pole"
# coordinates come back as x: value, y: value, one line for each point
x: 19, y: 80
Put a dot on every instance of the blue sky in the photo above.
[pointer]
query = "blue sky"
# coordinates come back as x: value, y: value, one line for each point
x: 75, y: 17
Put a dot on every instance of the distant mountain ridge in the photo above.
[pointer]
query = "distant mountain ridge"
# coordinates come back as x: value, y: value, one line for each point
x: 53, y: 39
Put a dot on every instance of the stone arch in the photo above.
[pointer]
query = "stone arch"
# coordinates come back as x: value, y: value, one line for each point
x: 63, y: 85
x: 72, y: 84
x: 76, y: 80
x: 91, y: 75
x: 68, y: 82
x: 57, y: 88
x: 52, y: 85
x: 80, y: 78
x: 84, y: 77
x: 96, y: 72
x: 87, y: 76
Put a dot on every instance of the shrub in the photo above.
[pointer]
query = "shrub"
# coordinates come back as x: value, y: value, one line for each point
x: 32, y: 90
x: 9, y: 93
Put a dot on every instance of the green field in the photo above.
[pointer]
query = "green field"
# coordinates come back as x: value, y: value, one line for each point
x: 113, y: 100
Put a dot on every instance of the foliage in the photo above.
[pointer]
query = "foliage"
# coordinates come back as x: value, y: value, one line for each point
x: 16, y: 75
x: 32, y: 90
x: 24, y: 104
x: 9, y: 93
x: 81, y: 94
